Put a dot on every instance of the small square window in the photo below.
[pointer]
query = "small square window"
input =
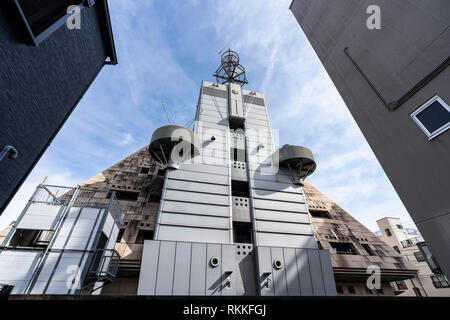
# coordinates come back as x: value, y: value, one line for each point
x: 342, y: 248
x: 339, y: 289
x: 433, y: 117
x: 419, y: 256
x: 144, y: 170
x: 351, y: 289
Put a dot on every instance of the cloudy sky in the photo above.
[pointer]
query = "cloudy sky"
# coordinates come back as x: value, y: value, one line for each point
x: 165, y: 49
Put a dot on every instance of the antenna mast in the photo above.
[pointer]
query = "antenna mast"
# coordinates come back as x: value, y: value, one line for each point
x: 230, y: 70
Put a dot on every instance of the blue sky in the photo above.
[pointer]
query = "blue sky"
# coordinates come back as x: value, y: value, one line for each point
x: 165, y: 49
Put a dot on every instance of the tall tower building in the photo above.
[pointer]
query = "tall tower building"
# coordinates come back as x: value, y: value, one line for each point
x: 389, y: 61
x: 225, y: 205
x: 219, y: 210
x: 230, y: 220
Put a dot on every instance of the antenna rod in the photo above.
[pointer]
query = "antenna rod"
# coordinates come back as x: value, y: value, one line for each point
x: 167, y: 113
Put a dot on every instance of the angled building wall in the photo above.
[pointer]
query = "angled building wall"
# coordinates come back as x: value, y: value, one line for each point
x: 353, y: 248
x: 41, y: 83
x: 387, y: 77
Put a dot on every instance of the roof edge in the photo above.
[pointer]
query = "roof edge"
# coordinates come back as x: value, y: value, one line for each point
x: 109, y: 33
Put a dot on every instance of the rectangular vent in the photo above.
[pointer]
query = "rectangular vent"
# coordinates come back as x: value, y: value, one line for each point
x: 253, y: 100
x: 215, y: 92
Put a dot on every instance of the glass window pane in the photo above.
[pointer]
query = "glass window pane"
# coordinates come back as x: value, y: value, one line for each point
x: 434, y: 116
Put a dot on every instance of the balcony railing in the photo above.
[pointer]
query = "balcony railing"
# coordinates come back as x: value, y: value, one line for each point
x: 104, y: 265
x: 412, y: 231
x: 85, y: 198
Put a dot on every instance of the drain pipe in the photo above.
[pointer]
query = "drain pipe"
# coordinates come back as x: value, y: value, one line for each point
x: 9, y: 151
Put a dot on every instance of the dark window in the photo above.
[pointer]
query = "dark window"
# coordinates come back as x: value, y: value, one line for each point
x: 120, y: 235
x: 237, y: 126
x: 429, y: 258
x: 242, y: 232
x: 239, y: 188
x: 399, y: 265
x: 434, y: 117
x: 41, y: 14
x: 161, y: 173
x: 30, y: 238
x: 419, y: 256
x: 417, y: 292
x: 440, y: 281
x: 144, y: 170
x: 396, y: 249
x: 380, y: 291
x: 342, y: 248
x: 97, y: 262
x: 320, y: 214
x: 351, y: 289
x: 368, y: 249
x: 406, y: 243
x: 144, y: 235
x: 238, y: 155
x: 155, y: 197
x: 125, y: 195
x: 399, y: 226
x: 388, y: 232
x: 339, y: 289
x: 401, y: 285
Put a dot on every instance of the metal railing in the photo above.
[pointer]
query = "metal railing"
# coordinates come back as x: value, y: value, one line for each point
x: 104, y: 265
x: 411, y: 242
x: 412, y: 231
x: 86, y: 198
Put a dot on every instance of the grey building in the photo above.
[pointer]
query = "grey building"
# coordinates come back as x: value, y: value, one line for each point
x: 49, y: 56
x: 232, y: 218
x: 389, y: 61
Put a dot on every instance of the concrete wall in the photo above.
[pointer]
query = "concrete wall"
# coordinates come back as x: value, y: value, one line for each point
x: 375, y: 77
x: 40, y: 86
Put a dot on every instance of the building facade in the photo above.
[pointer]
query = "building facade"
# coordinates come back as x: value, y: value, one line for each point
x: 389, y: 61
x: 354, y: 249
x: 62, y: 243
x: 409, y: 243
x: 49, y: 56
x: 226, y: 221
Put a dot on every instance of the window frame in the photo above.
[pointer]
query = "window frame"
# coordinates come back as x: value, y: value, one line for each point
x: 419, y: 256
x: 441, y: 280
x: 437, y: 132
x: 37, y: 39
